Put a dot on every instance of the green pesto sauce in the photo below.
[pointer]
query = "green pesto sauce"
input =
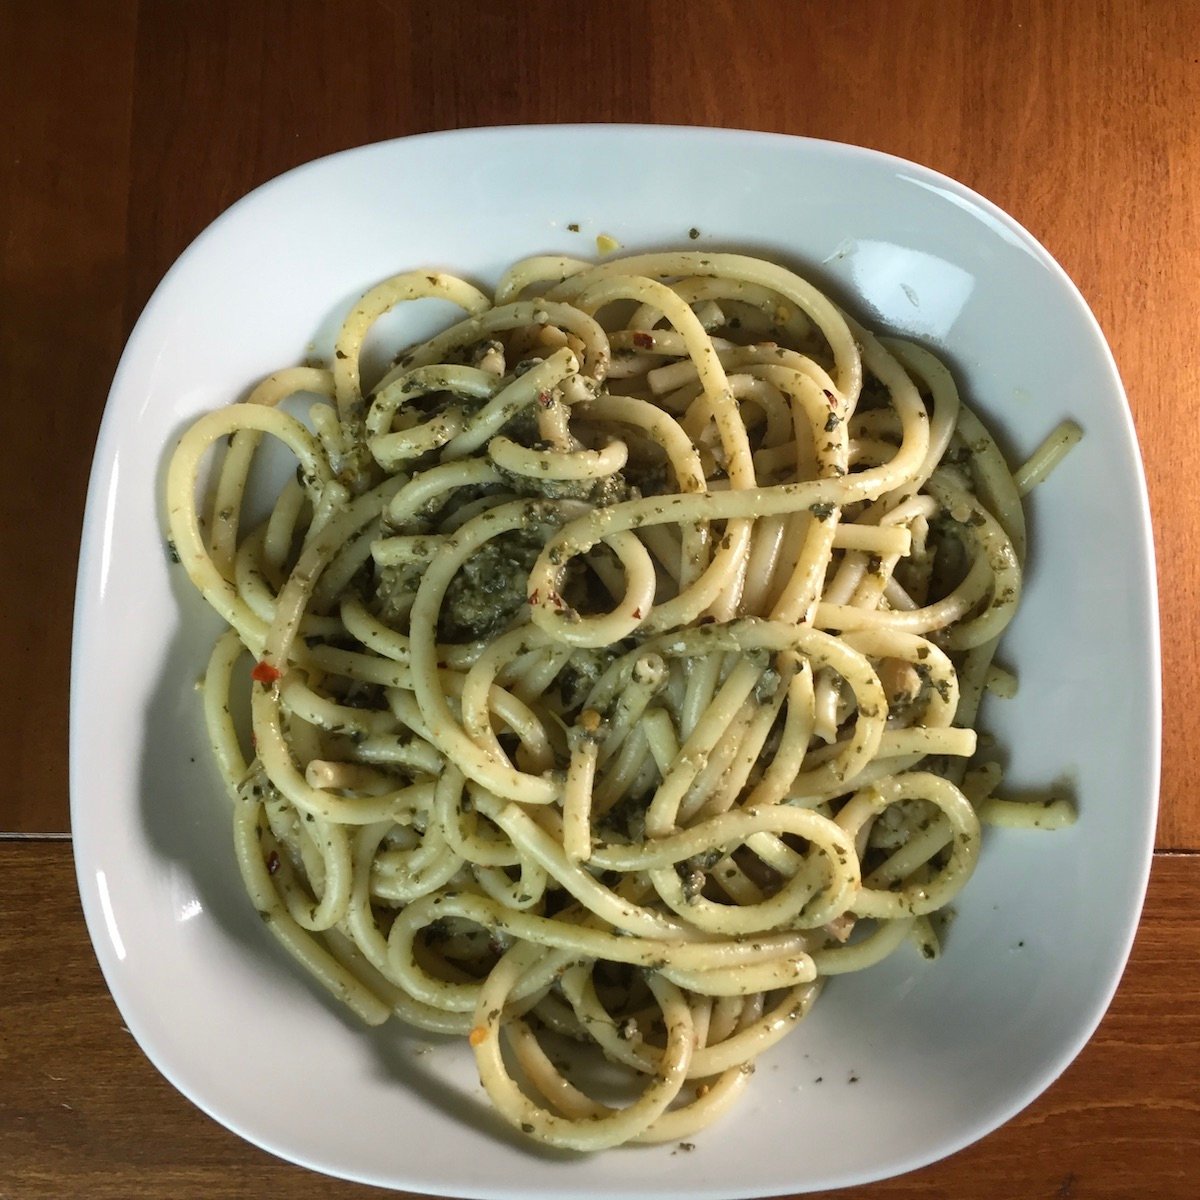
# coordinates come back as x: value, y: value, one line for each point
x: 490, y: 587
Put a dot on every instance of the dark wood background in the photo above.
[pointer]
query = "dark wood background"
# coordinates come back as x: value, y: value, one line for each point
x: 127, y: 127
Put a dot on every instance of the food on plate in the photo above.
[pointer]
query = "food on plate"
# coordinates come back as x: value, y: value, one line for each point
x: 615, y: 659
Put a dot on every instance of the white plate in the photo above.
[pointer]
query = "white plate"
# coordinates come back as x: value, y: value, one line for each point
x: 941, y: 1053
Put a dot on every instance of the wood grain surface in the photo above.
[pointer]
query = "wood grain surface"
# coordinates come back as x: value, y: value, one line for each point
x: 83, y: 1113
x: 128, y: 127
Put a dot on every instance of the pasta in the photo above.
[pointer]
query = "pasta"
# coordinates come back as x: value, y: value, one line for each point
x: 616, y: 657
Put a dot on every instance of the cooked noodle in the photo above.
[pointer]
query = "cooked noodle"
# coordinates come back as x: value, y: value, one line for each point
x: 616, y: 661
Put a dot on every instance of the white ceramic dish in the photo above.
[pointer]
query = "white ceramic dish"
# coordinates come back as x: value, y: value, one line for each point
x: 941, y: 1054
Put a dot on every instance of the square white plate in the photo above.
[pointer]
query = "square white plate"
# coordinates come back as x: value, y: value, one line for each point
x: 939, y: 1054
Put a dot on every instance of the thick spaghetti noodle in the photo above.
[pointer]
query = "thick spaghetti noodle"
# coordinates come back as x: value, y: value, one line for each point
x: 616, y: 661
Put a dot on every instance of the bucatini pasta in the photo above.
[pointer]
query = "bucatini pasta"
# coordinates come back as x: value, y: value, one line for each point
x: 616, y: 659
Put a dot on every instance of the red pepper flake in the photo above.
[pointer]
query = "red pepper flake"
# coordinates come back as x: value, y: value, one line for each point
x: 545, y: 398
x: 273, y: 862
x: 265, y: 673
x: 644, y: 340
x: 533, y: 599
x: 637, y: 614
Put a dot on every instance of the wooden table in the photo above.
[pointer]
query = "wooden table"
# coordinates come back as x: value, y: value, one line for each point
x: 128, y: 127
